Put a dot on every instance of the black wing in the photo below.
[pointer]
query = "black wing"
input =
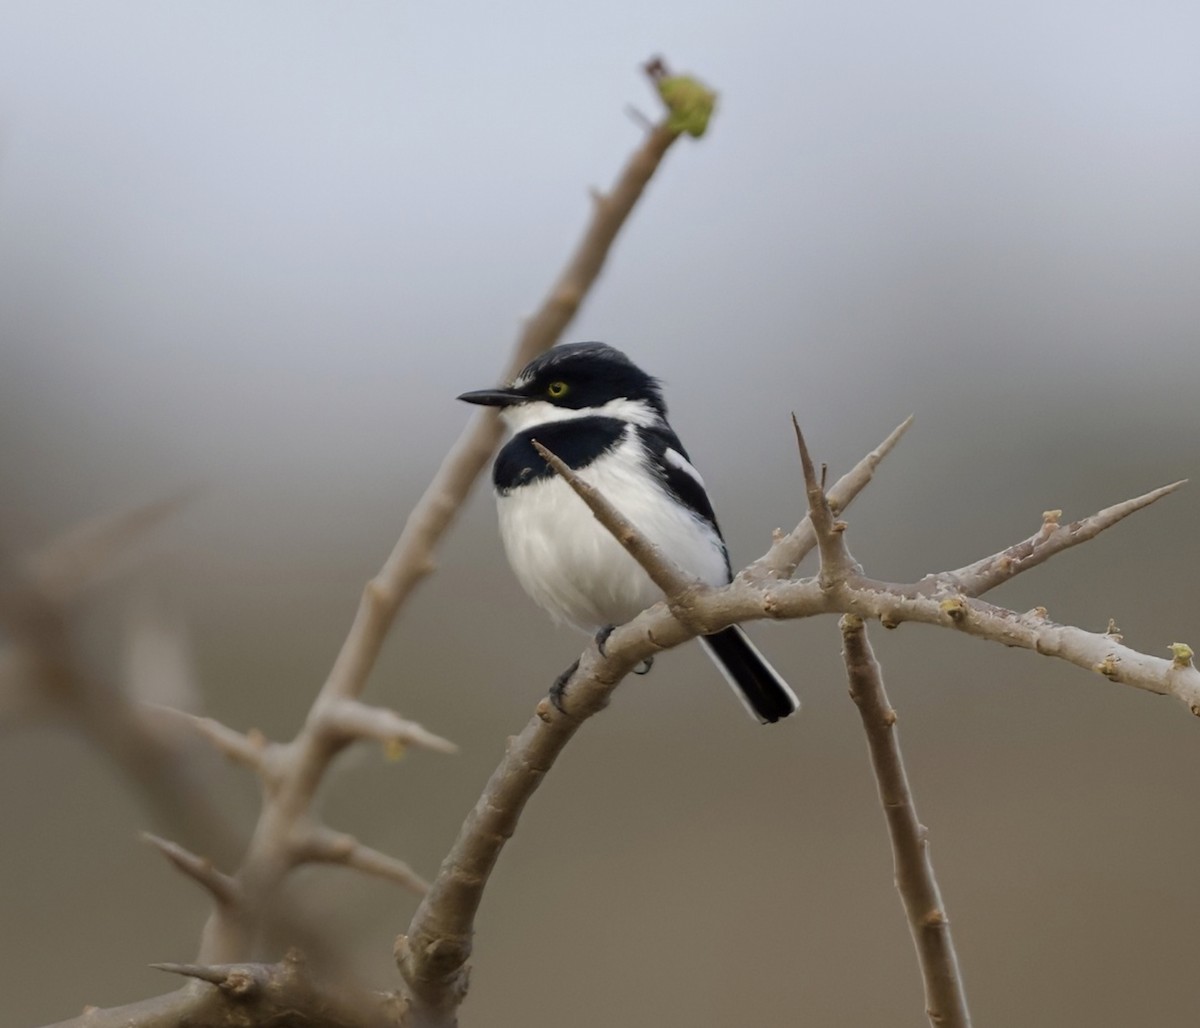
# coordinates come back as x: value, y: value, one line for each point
x: 669, y: 462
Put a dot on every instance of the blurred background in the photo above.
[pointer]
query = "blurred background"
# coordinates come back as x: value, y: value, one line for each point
x: 258, y: 249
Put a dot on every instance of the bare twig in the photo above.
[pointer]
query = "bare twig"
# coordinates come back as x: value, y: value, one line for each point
x: 238, y: 981
x: 325, y: 846
x: 836, y: 562
x: 221, y: 887
x: 782, y: 559
x: 945, y: 1000
x: 353, y: 719
x: 1093, y: 651
x: 977, y: 578
x: 246, y: 748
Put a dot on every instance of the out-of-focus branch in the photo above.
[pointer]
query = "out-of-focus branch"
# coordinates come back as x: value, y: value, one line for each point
x: 39, y: 599
x: 945, y: 999
x: 222, y: 888
x: 324, y: 846
x: 239, y: 995
x: 288, y: 834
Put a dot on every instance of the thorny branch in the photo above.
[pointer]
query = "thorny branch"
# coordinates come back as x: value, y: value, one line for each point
x: 443, y: 926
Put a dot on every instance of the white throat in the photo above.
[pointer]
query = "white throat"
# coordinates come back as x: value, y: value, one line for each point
x: 538, y: 412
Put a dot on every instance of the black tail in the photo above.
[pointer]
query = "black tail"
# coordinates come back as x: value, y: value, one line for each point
x: 757, y: 684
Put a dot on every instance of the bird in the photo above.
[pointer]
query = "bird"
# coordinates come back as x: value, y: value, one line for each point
x: 592, y: 407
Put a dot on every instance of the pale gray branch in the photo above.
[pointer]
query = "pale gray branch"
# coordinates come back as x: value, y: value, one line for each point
x: 1098, y: 652
x: 945, y: 999
x: 977, y: 578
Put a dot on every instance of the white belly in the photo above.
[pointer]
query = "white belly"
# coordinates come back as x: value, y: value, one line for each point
x: 570, y: 564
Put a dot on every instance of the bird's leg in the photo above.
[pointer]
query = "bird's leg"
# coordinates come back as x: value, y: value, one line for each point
x: 560, y: 685
x: 644, y: 667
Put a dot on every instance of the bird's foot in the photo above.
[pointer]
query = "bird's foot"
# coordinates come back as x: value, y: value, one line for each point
x: 560, y: 686
x: 601, y: 638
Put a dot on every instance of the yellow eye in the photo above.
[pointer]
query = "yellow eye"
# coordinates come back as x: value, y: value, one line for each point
x: 557, y: 390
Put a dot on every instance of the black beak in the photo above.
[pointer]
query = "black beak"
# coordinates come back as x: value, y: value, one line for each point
x: 494, y: 397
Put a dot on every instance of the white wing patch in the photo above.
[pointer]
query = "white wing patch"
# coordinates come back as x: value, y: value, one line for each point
x: 680, y: 462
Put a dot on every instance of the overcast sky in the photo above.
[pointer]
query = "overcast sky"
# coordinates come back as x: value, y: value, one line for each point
x: 238, y: 237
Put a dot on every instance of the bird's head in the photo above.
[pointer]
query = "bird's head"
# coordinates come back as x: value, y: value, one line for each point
x: 573, y: 381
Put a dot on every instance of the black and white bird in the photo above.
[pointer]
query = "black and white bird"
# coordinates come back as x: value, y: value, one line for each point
x: 601, y: 414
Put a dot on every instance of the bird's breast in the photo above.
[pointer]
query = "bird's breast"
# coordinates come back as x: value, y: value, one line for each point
x: 573, y: 567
